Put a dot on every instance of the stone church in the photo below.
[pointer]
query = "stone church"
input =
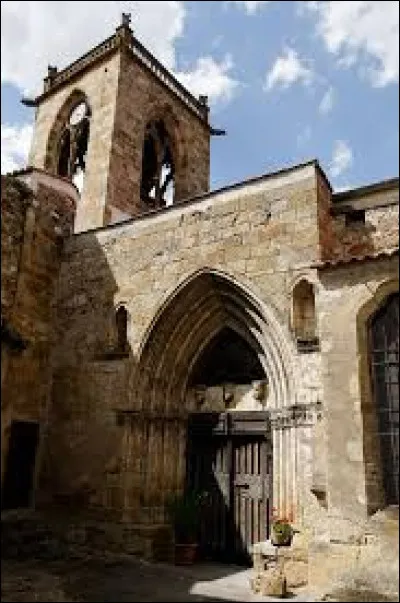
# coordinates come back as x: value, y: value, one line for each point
x: 158, y: 336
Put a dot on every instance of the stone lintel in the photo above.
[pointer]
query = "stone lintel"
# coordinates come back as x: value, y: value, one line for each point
x: 296, y: 415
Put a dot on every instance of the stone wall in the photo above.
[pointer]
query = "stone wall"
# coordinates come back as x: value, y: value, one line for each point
x: 379, y: 233
x: 123, y: 95
x: 141, y: 98
x: 325, y: 219
x: 232, y: 259
x: 349, y: 296
x: 37, y: 215
x: 170, y: 270
x: 15, y: 200
x: 100, y: 85
x: 262, y: 236
x: 342, y: 237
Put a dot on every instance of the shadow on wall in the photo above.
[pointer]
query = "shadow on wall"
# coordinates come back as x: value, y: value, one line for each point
x: 92, y: 362
x: 93, y: 465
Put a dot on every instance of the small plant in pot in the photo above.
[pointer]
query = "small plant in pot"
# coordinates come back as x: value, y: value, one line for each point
x: 183, y: 511
x: 281, y: 529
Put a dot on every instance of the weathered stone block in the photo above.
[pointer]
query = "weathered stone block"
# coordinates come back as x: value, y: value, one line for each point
x: 273, y: 583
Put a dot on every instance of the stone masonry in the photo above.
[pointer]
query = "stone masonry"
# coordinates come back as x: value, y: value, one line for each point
x: 125, y: 93
x: 37, y: 215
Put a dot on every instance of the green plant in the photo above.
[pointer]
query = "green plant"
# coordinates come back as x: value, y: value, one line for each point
x: 282, y: 529
x: 184, y: 513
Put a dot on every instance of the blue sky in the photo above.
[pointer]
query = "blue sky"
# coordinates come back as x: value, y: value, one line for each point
x: 289, y: 81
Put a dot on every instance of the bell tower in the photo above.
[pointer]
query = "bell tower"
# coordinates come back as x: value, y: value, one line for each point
x: 123, y: 129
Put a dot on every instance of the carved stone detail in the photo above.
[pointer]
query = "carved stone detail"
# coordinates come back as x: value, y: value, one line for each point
x: 296, y: 415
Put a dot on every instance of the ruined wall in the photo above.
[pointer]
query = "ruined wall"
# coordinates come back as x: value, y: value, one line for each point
x: 379, y: 233
x: 36, y: 218
x: 341, y: 237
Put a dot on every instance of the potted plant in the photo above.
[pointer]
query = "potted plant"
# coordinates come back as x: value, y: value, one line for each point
x: 183, y: 511
x: 281, y: 529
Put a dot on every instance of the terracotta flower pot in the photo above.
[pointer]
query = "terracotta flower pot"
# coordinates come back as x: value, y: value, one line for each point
x: 185, y: 554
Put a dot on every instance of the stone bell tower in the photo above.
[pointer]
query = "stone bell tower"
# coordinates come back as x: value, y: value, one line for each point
x: 123, y: 129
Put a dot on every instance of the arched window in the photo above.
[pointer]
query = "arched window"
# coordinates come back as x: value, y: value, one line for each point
x: 158, y: 169
x: 384, y: 362
x: 73, y: 144
x: 304, y: 323
x: 121, y: 320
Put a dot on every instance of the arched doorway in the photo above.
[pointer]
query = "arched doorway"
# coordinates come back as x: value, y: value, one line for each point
x: 190, y: 318
x: 384, y: 362
x: 211, y: 348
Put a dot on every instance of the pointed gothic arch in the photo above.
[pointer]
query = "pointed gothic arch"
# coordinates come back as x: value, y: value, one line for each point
x: 163, y: 157
x: 68, y: 141
x: 191, y: 316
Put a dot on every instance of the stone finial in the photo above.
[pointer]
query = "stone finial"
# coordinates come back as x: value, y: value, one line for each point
x: 49, y: 79
x: 51, y: 71
x: 126, y: 19
x: 123, y: 31
x: 203, y: 100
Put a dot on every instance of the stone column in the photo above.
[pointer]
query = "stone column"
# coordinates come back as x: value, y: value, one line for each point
x: 292, y: 430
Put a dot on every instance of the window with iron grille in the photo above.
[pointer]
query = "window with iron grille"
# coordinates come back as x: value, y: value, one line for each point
x: 384, y: 354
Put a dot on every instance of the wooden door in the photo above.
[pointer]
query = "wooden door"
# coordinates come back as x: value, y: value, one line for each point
x: 250, y: 493
x: 229, y: 458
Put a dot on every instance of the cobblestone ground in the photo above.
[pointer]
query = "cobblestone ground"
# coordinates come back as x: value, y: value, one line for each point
x: 118, y: 579
x: 86, y: 577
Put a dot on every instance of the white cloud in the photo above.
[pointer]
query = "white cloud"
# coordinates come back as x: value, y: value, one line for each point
x: 365, y: 33
x: 27, y: 48
x: 15, y: 144
x: 250, y: 6
x: 343, y: 188
x: 327, y: 101
x: 211, y: 78
x: 287, y: 70
x: 342, y: 158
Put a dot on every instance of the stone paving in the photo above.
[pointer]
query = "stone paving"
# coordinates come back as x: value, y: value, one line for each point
x: 119, y: 579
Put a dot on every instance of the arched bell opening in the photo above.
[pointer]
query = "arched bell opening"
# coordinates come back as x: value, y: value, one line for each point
x: 68, y: 142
